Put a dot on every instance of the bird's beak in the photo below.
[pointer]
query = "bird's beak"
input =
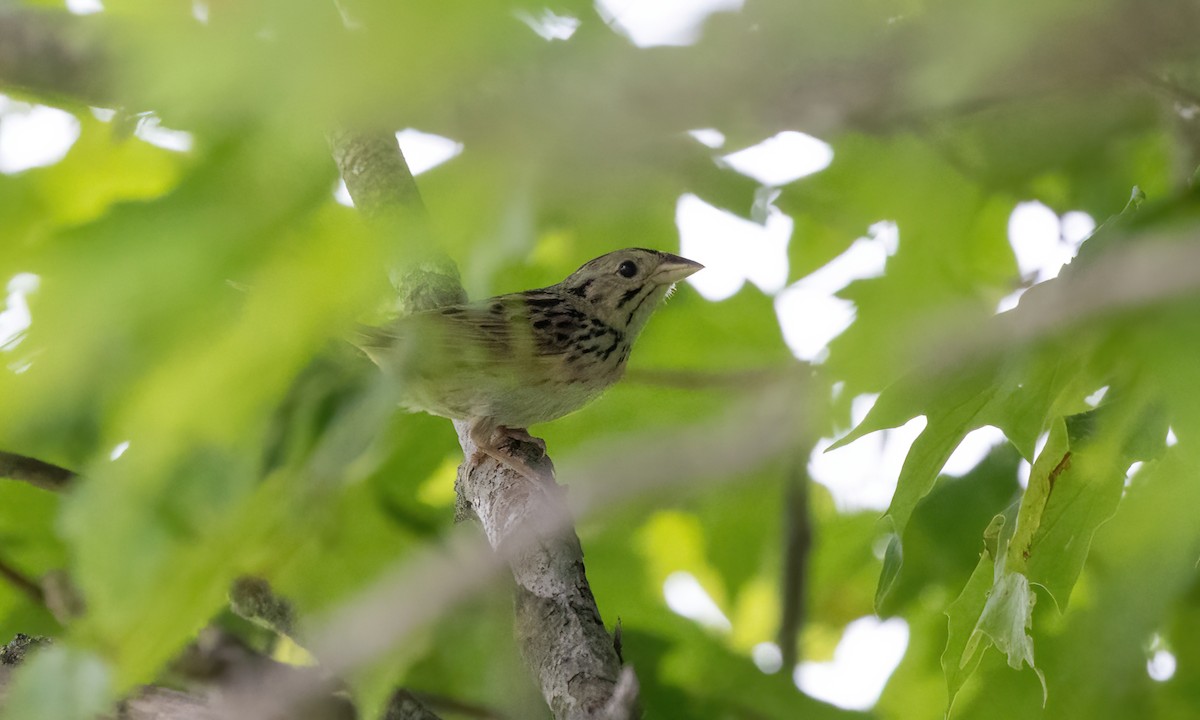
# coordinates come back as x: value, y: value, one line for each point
x: 673, y: 268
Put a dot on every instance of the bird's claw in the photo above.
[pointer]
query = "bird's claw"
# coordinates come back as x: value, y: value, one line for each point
x: 521, y: 436
x: 513, y: 447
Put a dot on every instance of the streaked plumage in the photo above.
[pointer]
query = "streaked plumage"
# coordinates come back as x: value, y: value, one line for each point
x: 515, y: 360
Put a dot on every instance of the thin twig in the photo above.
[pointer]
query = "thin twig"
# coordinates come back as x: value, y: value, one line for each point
x: 22, y: 582
x: 712, y: 379
x: 459, y: 707
x: 1176, y: 91
x: 228, y: 671
x: 35, y: 472
x: 797, y: 544
x: 57, y: 54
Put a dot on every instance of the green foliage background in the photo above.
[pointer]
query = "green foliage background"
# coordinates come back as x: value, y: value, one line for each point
x: 189, y: 301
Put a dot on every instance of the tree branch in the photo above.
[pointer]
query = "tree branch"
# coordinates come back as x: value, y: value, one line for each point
x: 35, y: 472
x: 558, y: 624
x: 22, y: 582
x: 797, y: 544
x: 436, y: 578
x: 1162, y: 266
x: 405, y: 706
x: 456, y: 706
x: 230, y: 670
x: 375, y: 172
x: 55, y: 53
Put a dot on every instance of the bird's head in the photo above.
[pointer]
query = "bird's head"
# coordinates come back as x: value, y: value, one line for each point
x: 624, y: 287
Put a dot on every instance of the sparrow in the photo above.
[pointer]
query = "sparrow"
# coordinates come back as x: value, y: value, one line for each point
x: 515, y: 360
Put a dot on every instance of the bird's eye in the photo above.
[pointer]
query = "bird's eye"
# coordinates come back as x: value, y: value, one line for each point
x: 627, y: 269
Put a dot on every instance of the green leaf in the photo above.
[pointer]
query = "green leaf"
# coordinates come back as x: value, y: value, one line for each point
x: 893, y: 559
x: 1085, y: 488
x: 1005, y: 620
x: 930, y: 452
x: 182, y: 294
x: 59, y: 682
x: 995, y: 608
x: 732, y: 685
x: 746, y: 521
x: 953, y: 412
x: 941, y: 546
x: 1048, y: 468
x: 962, y: 617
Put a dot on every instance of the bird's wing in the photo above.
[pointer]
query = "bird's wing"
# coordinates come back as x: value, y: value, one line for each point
x: 452, y: 339
x: 500, y: 330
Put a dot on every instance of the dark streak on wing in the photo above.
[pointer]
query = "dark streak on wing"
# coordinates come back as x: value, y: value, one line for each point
x: 496, y: 334
x: 558, y: 329
x: 481, y: 332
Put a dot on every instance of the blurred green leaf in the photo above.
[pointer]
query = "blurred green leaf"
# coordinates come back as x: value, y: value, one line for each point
x: 195, y: 305
x: 732, y: 686
x: 59, y: 682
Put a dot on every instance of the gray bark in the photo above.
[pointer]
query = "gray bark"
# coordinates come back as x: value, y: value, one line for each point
x: 558, y: 624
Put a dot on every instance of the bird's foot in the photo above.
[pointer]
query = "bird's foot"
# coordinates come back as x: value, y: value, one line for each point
x: 520, y: 436
x: 514, y: 448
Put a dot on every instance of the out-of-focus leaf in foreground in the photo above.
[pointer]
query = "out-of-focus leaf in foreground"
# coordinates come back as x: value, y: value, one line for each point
x: 184, y: 346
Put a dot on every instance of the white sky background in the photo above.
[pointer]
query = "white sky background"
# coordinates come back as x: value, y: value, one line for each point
x: 735, y: 251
